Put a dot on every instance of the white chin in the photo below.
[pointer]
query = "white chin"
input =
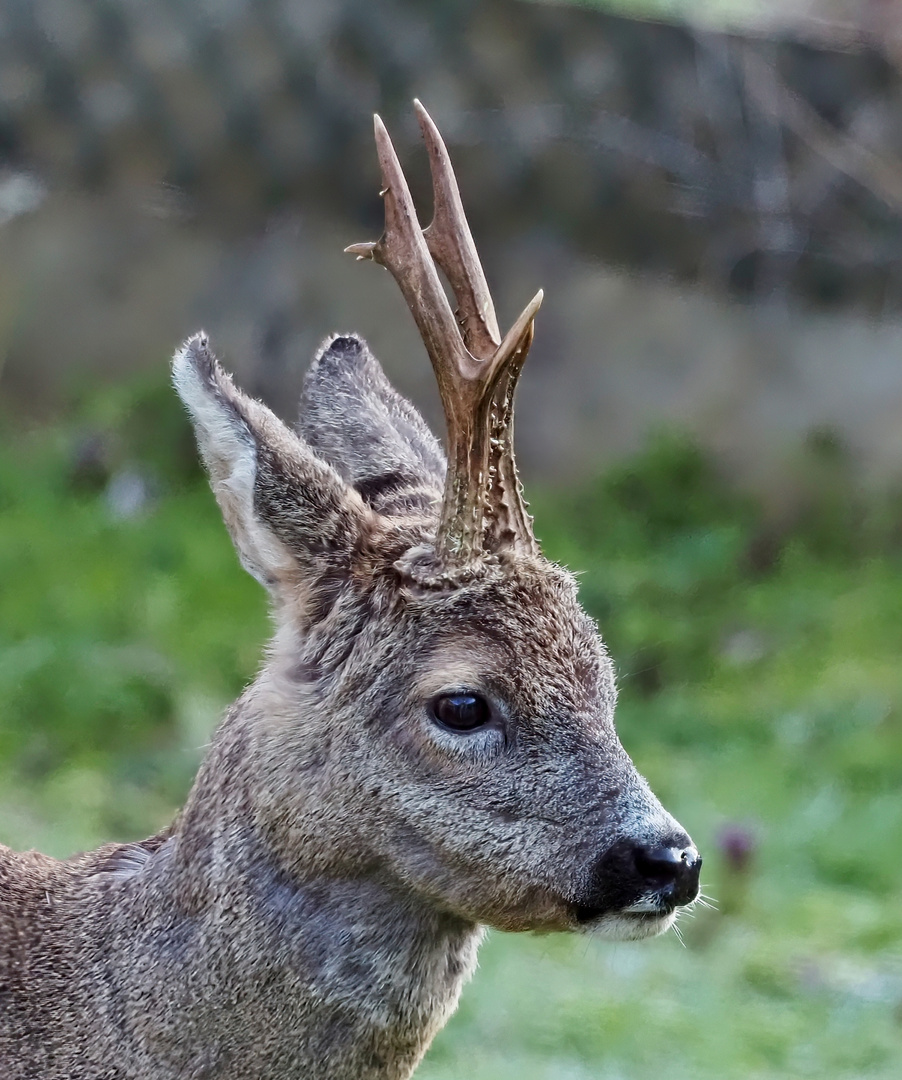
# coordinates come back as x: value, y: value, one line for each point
x: 626, y: 927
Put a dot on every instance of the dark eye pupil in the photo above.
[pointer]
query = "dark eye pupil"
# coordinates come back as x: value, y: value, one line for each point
x: 461, y: 712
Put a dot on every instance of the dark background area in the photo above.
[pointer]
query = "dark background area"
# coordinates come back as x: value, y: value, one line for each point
x: 714, y: 215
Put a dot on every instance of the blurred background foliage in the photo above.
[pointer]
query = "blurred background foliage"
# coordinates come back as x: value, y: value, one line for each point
x: 741, y: 550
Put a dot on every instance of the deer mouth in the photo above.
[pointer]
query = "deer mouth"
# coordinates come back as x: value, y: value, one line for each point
x: 624, y: 925
x: 648, y: 915
x: 583, y: 913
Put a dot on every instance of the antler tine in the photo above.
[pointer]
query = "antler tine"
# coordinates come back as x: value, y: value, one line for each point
x: 483, y: 512
x: 451, y: 245
x: 403, y: 251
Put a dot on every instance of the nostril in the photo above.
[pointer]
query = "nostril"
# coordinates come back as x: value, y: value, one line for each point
x: 659, y: 864
x: 677, y: 868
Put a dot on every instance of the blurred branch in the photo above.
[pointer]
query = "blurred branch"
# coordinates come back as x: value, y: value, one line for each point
x: 881, y: 177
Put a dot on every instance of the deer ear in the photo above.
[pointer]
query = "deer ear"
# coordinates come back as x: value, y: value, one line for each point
x: 354, y: 418
x: 290, y: 515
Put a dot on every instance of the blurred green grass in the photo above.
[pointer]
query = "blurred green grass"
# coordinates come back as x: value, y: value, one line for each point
x: 761, y: 693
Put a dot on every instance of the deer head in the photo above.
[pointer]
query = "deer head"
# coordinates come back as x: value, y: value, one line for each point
x: 436, y: 710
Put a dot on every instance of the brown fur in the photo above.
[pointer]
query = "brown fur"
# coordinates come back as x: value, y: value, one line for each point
x: 316, y: 908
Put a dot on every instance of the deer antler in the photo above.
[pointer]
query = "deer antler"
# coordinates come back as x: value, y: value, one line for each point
x: 483, y: 510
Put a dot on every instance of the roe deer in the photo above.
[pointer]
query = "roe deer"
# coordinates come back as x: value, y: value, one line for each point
x: 428, y: 749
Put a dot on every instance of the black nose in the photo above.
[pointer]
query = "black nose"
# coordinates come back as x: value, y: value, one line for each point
x: 671, y: 871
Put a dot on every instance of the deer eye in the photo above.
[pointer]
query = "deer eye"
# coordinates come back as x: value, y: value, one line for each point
x: 461, y: 712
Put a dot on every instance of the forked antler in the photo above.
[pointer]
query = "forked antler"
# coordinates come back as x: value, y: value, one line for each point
x: 483, y: 511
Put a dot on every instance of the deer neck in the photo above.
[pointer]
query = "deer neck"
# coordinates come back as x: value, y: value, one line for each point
x: 325, y: 945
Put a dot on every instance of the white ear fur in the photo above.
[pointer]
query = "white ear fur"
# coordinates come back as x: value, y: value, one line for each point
x: 229, y: 450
